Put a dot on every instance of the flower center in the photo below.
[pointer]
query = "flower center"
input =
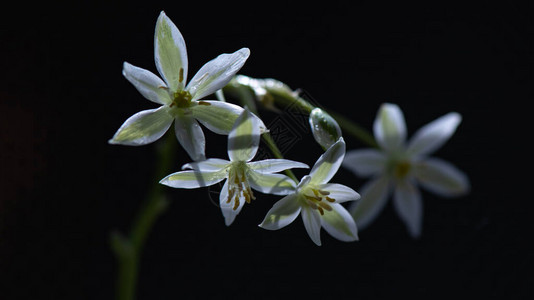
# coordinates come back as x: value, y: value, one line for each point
x: 181, y: 99
x: 318, y: 199
x: 401, y: 169
x: 238, y: 186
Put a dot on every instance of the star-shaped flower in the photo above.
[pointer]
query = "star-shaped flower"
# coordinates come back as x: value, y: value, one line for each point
x: 240, y: 172
x: 318, y: 201
x: 180, y: 102
x: 398, y: 167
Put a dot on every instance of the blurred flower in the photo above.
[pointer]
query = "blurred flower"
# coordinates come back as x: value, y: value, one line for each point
x: 398, y: 167
x: 318, y: 201
x: 240, y: 172
x: 180, y: 102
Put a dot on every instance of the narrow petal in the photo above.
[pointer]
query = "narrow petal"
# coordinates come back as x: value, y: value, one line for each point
x: 193, y: 179
x: 433, y: 135
x: 227, y: 205
x: 244, y: 138
x: 276, y: 184
x: 366, y: 162
x: 327, y: 165
x: 441, y: 177
x: 340, y: 193
x: 208, y: 165
x: 374, y: 195
x: 275, y: 165
x: 339, y: 223
x: 216, y: 73
x: 148, y: 84
x: 312, y: 223
x: 409, y: 207
x: 143, y: 128
x: 190, y: 136
x: 282, y: 213
x: 217, y: 116
x: 389, y: 127
x: 170, y: 53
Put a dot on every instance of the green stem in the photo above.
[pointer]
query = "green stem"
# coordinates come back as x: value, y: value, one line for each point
x: 276, y: 92
x: 128, y: 248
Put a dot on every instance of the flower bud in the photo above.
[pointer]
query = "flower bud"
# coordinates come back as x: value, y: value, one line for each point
x: 325, y: 129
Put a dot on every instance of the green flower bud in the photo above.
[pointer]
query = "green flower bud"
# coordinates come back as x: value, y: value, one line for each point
x: 325, y: 129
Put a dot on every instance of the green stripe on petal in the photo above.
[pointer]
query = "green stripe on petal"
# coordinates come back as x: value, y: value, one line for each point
x: 277, y: 184
x: 390, y: 127
x: 339, y: 223
x: 282, y: 213
x: 216, y: 73
x: 170, y: 53
x: 275, y: 165
x: 143, y: 128
x: 190, y: 136
x: 244, y: 138
x: 217, y: 116
x: 148, y: 84
x: 327, y: 165
x: 193, y: 179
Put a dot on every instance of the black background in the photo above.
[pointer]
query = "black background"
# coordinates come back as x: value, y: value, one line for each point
x: 64, y: 189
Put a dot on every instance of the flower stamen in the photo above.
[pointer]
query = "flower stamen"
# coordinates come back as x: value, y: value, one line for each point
x: 315, y: 201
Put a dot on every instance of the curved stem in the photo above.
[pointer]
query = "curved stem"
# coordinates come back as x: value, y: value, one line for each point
x: 128, y: 249
x: 271, y: 91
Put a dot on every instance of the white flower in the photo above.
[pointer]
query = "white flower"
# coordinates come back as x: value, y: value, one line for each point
x: 240, y: 172
x: 398, y: 167
x: 318, y: 201
x: 180, y: 102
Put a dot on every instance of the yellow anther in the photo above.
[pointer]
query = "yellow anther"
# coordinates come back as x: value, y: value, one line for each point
x: 181, y: 75
x: 320, y: 210
x: 325, y: 206
x: 324, y: 193
x: 204, y: 103
x: 312, y: 198
x: 236, y: 203
x: 312, y: 204
x: 330, y: 199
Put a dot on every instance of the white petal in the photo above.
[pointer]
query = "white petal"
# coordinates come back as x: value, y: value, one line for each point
x: 143, y: 128
x: 312, y: 223
x: 208, y: 165
x: 339, y: 223
x: 366, y: 162
x: 374, y: 195
x: 409, y: 207
x: 275, y: 165
x: 340, y: 193
x: 193, y: 179
x: 244, y: 138
x: 170, y: 53
x: 327, y: 165
x: 216, y: 73
x: 389, y: 127
x: 282, y: 213
x: 218, y: 117
x: 227, y: 207
x: 433, y: 135
x: 441, y: 177
x: 190, y: 136
x: 148, y: 84
x: 276, y: 184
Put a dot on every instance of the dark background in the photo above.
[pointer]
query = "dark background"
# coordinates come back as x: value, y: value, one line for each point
x: 64, y: 189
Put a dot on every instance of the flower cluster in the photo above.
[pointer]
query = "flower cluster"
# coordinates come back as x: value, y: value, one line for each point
x: 394, y: 166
